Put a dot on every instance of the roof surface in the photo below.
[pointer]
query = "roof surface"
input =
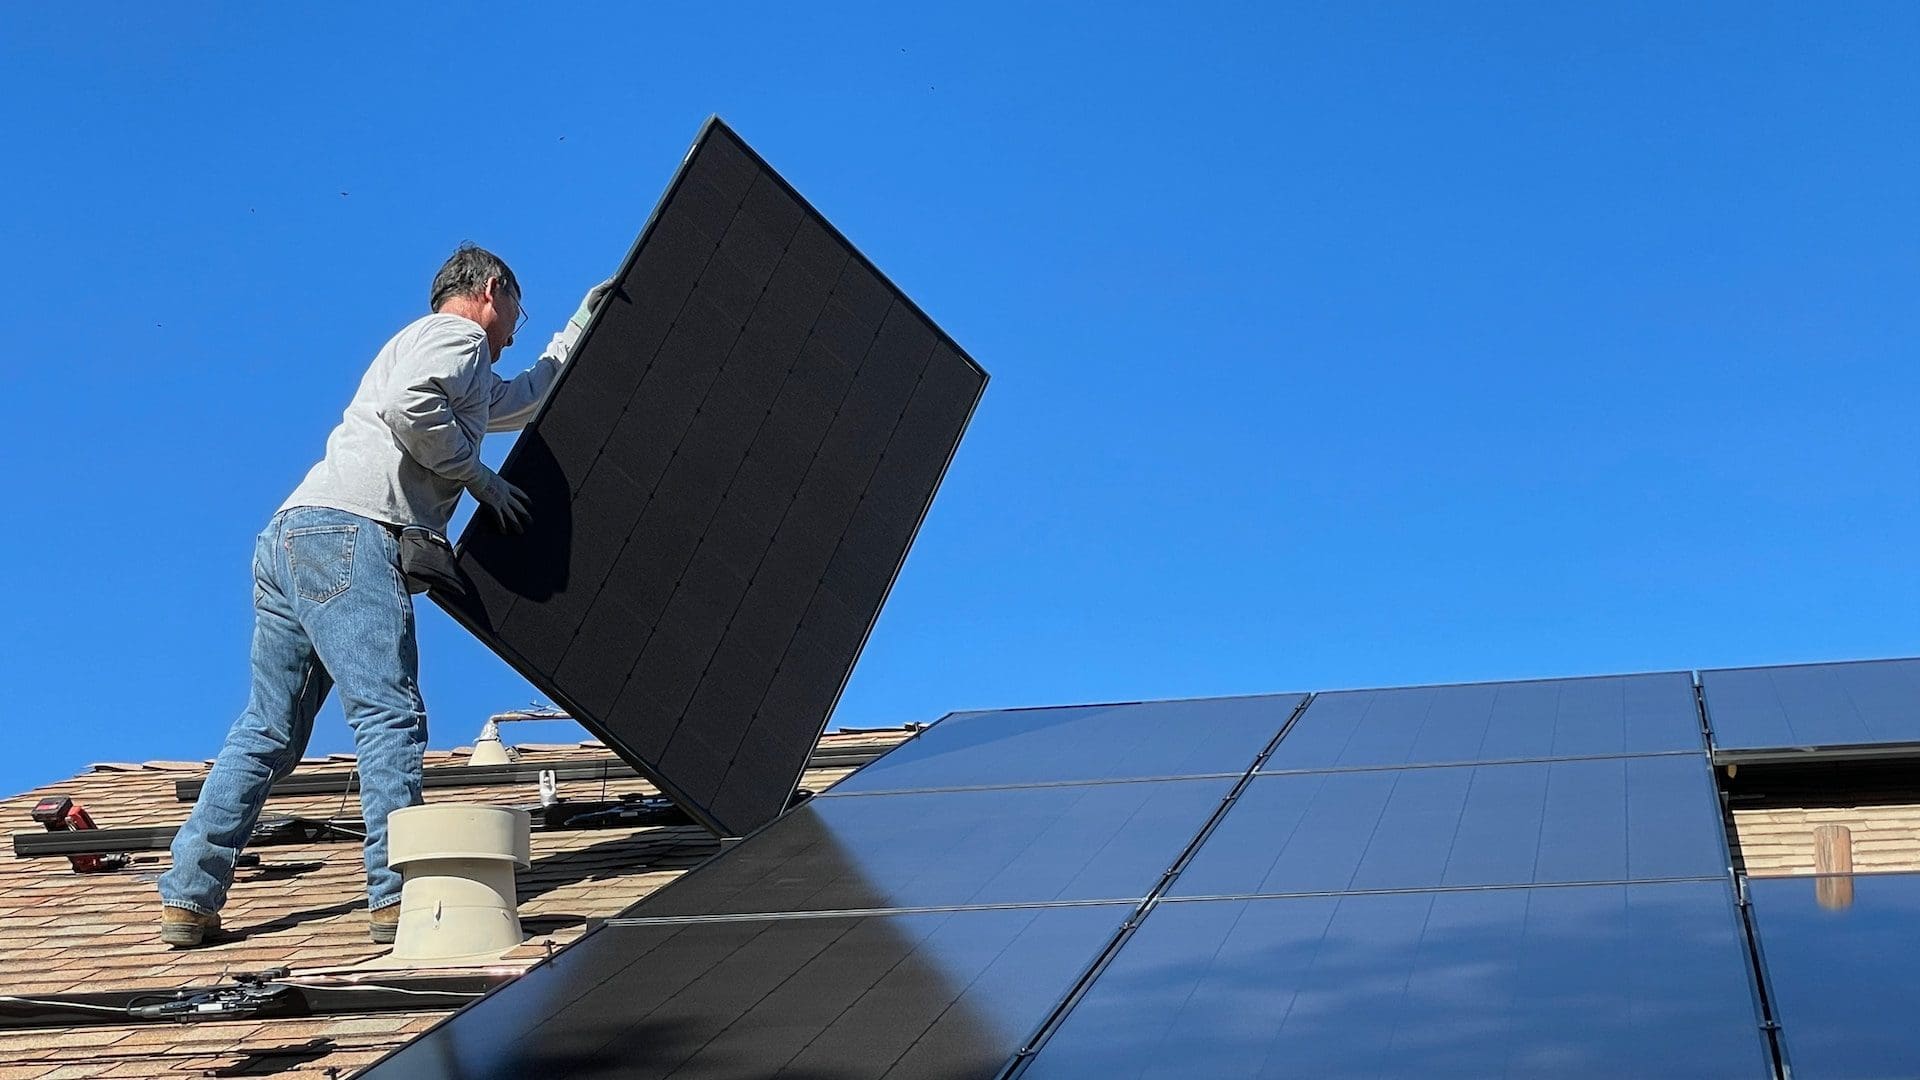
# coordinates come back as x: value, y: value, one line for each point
x: 302, y: 907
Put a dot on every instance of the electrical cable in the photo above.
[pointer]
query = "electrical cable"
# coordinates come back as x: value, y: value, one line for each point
x: 46, y: 1004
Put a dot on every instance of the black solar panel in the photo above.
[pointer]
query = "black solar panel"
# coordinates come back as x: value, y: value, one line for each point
x: 1864, y: 708
x: 1509, y: 721
x: 949, y: 994
x: 1592, y: 981
x: 1014, y: 846
x: 725, y: 482
x: 1558, y: 903
x: 1839, y: 960
x: 1203, y: 737
x: 1614, y: 819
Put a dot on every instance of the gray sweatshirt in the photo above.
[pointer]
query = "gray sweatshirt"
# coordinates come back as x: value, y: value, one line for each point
x: 409, y: 442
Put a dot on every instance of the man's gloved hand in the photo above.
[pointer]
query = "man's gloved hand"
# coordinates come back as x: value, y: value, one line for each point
x: 562, y: 345
x: 591, y: 303
x: 508, y: 503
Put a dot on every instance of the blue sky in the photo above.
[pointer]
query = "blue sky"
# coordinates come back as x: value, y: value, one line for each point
x: 1332, y: 344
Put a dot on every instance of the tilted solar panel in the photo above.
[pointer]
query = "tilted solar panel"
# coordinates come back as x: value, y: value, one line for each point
x: 725, y: 482
x: 1866, y: 708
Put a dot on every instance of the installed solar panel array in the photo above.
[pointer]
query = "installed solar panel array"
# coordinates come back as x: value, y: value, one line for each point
x: 1515, y: 878
x: 1504, y: 879
x: 725, y: 481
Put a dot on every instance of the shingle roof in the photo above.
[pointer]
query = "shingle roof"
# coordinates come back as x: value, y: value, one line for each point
x: 303, y: 907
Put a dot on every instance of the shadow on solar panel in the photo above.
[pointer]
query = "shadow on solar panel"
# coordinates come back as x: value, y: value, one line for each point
x: 725, y: 482
x: 951, y: 994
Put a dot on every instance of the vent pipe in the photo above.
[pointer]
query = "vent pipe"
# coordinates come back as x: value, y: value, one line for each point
x: 1833, y: 862
x: 456, y: 863
x: 488, y: 749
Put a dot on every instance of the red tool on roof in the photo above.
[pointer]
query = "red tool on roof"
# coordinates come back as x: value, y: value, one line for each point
x: 61, y: 814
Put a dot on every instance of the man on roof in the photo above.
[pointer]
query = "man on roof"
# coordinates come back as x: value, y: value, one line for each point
x: 331, y: 598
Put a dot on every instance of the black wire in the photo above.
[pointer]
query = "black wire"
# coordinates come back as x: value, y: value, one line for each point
x: 345, y: 789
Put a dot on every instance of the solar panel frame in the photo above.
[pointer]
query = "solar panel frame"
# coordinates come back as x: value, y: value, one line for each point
x: 725, y: 780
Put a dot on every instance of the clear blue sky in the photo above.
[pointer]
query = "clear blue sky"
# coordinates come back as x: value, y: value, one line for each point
x: 1333, y: 344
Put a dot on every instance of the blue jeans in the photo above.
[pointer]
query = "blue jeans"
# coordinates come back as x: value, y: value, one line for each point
x: 330, y: 608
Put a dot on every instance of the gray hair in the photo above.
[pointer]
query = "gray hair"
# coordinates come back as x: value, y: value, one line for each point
x: 466, y: 272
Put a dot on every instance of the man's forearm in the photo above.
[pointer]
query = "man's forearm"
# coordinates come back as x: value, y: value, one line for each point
x: 515, y: 400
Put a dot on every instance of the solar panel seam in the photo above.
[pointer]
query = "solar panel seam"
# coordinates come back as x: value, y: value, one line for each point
x: 961, y: 993
x: 1293, y: 1000
x: 843, y: 913
x: 1374, y: 832
x: 1503, y: 886
x: 1456, y: 764
x: 1540, y: 828
x: 791, y: 977
x: 835, y: 794
x: 1413, y: 964
x: 1037, y: 1040
x: 1338, y: 691
x: 1213, y: 961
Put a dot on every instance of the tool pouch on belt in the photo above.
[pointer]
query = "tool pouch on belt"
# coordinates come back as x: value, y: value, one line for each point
x: 426, y: 559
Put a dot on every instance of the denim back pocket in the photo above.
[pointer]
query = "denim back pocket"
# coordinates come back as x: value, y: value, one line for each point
x: 321, y: 559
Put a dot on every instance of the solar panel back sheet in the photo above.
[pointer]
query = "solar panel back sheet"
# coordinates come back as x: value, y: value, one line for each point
x: 725, y: 482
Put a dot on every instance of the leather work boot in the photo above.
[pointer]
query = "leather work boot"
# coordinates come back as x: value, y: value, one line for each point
x: 183, y: 928
x: 383, y: 924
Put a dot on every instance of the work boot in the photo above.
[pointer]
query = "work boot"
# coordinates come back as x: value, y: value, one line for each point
x: 383, y: 924
x: 183, y: 928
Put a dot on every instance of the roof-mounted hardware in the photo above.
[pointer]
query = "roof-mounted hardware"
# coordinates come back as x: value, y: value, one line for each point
x: 108, y: 849
x: 520, y: 772
x: 62, y: 815
x: 270, y: 994
x: 246, y: 996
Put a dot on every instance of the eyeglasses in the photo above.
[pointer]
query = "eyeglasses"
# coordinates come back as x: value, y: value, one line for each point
x: 520, y: 320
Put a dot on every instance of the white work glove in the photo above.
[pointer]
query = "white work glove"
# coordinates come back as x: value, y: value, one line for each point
x: 562, y: 345
x: 507, y: 503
